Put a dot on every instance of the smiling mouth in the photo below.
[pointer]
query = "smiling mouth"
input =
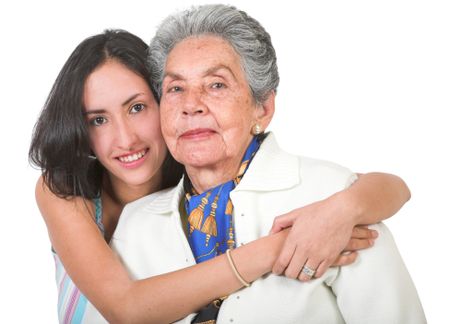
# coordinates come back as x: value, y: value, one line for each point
x: 132, y: 157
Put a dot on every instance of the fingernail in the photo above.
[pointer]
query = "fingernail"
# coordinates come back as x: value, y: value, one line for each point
x: 371, y: 242
x: 374, y: 233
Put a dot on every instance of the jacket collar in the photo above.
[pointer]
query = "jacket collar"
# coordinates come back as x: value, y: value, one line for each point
x: 271, y: 169
x: 166, y: 200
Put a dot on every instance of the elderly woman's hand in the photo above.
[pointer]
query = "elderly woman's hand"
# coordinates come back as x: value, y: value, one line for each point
x: 323, y: 234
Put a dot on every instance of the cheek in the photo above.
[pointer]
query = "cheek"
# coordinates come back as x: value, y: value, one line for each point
x: 169, y: 126
x: 169, y: 141
x: 100, y: 143
x: 168, y: 129
x: 165, y: 116
x: 237, y: 112
x: 239, y: 120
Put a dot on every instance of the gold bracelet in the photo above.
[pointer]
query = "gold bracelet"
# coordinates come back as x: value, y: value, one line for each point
x: 233, y: 267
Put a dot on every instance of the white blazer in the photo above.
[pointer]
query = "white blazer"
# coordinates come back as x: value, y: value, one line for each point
x: 375, y: 289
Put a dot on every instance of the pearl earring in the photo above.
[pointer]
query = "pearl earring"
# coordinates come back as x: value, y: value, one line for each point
x: 256, y: 129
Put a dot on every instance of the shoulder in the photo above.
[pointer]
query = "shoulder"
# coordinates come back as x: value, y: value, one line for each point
x: 324, y: 176
x: 51, y: 205
x: 309, y: 169
x: 325, y: 170
x: 289, y: 171
x: 41, y: 190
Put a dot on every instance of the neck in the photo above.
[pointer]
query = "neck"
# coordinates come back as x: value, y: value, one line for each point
x: 205, y: 178
x: 122, y: 193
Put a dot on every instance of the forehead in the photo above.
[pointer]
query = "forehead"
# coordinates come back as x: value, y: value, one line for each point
x: 200, y: 53
x: 112, y: 71
x: 112, y: 81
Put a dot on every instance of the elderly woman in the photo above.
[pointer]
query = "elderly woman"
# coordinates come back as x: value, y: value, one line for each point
x: 216, y: 73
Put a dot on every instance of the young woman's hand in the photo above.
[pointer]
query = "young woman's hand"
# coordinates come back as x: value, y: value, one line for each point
x: 323, y: 234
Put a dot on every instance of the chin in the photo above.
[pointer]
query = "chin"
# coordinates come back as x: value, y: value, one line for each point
x: 136, y: 178
x: 199, y: 153
x: 200, y: 160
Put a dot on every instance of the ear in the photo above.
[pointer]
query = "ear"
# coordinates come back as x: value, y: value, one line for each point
x: 265, y: 110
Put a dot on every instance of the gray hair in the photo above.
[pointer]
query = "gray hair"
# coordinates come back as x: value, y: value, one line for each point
x: 246, y: 35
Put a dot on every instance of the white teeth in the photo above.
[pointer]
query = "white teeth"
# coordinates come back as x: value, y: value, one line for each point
x: 132, y: 157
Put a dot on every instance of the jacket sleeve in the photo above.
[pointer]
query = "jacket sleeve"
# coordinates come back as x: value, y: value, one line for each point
x: 377, y: 288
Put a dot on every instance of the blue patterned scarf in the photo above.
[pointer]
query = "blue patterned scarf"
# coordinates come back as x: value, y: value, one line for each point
x: 210, y: 220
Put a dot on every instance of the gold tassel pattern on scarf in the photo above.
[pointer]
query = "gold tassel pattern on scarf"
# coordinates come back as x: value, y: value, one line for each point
x: 229, y: 208
x: 210, y: 225
x: 242, y: 170
x: 196, y: 216
x: 230, y: 242
x: 229, y: 211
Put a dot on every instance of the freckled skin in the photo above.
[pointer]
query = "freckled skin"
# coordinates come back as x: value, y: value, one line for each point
x: 208, y: 89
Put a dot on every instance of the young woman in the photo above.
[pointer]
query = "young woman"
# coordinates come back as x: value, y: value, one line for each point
x: 99, y: 145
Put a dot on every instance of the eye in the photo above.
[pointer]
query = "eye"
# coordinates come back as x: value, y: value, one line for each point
x: 218, y: 85
x: 97, y: 121
x: 174, y: 89
x: 137, y: 108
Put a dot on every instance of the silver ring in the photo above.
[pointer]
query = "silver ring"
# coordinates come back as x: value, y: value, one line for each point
x: 308, y: 271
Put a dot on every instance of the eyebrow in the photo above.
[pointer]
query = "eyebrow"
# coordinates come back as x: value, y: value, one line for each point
x: 102, y: 111
x: 173, y: 75
x: 93, y: 112
x: 209, y: 71
x: 214, y: 69
x: 126, y: 102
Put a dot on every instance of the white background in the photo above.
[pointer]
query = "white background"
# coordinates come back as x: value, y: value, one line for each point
x: 363, y: 83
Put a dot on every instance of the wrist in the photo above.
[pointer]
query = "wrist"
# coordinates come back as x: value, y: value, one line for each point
x: 275, y: 244
x: 349, y: 205
x: 262, y: 252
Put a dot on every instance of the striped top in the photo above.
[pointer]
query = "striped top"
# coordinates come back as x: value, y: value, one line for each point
x: 72, y: 304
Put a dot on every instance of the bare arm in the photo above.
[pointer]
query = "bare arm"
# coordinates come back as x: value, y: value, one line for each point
x: 370, y: 199
x: 374, y: 197
x: 99, y: 274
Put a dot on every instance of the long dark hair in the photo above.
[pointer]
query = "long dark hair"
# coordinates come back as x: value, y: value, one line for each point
x: 60, y: 142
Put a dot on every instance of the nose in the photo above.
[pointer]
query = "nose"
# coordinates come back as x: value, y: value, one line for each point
x: 126, y: 137
x: 193, y: 103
